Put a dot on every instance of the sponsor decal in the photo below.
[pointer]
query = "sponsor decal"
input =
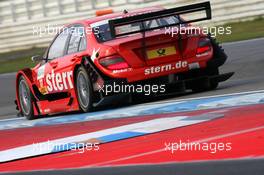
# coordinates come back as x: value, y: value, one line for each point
x: 43, y: 90
x: 194, y: 66
x: 47, y: 110
x: 122, y: 70
x: 41, y: 72
x: 59, y: 81
x: 161, y: 52
x: 167, y: 67
x: 95, y: 54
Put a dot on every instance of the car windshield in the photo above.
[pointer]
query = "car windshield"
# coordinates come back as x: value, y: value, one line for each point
x: 102, y: 31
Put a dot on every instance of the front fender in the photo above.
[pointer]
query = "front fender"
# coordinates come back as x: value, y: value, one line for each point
x: 27, y: 73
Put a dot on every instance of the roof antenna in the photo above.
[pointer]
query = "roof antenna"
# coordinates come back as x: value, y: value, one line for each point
x: 125, y: 11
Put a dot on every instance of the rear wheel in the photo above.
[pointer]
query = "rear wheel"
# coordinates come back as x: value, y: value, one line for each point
x: 206, y: 85
x: 83, y: 89
x: 211, y: 72
x: 25, y: 99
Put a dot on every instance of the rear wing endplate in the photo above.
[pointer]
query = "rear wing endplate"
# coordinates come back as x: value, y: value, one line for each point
x: 189, y: 10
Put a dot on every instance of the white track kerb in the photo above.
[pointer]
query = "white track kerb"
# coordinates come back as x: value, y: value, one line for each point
x: 170, y: 106
x: 103, y: 136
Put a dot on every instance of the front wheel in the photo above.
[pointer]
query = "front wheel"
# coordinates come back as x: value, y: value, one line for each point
x: 25, y: 99
x: 83, y: 89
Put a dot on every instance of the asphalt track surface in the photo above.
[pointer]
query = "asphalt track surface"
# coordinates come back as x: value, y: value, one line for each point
x: 226, y: 167
x: 245, y: 58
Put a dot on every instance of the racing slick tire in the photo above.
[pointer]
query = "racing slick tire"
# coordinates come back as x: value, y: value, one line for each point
x: 25, y: 99
x: 211, y: 72
x: 83, y: 89
x: 206, y: 85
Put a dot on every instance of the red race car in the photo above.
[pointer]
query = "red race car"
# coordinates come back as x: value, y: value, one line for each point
x: 105, y: 59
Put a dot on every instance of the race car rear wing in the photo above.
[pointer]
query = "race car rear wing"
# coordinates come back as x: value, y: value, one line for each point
x: 136, y: 24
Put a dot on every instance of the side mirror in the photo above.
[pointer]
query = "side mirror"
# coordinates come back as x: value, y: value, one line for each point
x: 37, y: 58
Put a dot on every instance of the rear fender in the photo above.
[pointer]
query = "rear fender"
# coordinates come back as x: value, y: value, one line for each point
x: 94, y: 74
